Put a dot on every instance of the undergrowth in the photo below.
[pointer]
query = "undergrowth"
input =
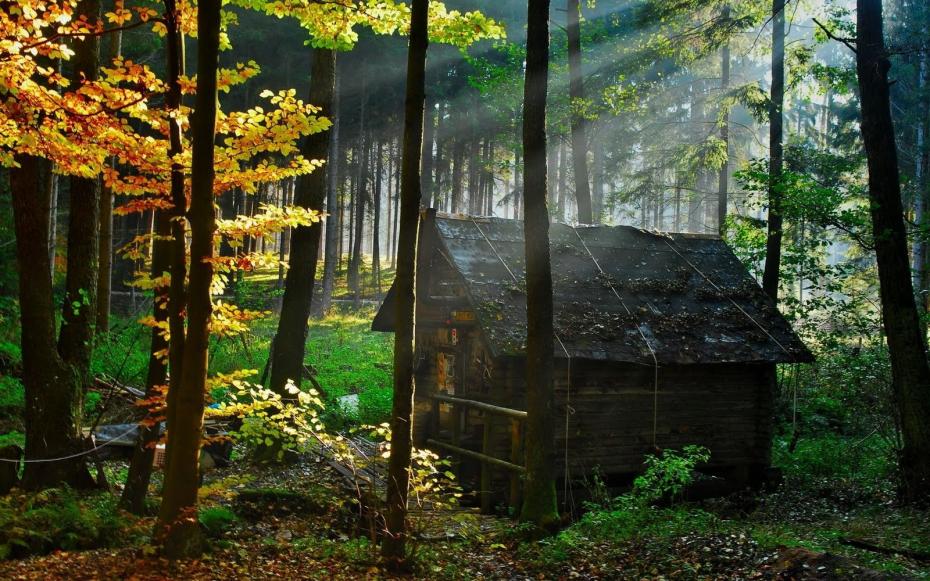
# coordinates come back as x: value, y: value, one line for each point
x: 62, y: 519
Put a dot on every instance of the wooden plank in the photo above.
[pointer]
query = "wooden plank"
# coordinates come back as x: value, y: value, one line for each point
x: 486, y: 500
x: 516, y: 455
x: 476, y: 455
x: 481, y: 406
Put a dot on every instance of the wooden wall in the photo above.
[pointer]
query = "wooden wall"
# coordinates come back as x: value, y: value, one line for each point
x: 617, y: 415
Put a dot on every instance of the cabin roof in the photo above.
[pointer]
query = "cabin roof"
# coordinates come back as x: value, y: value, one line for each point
x: 619, y: 293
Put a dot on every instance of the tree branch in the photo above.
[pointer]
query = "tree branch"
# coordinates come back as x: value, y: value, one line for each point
x: 849, y: 42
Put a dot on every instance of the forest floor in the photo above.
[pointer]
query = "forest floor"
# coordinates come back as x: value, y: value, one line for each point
x: 298, y: 522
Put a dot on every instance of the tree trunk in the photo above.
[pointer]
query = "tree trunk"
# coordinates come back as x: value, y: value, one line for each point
x: 54, y: 410
x: 177, y: 293
x: 53, y: 398
x: 143, y: 454
x: 331, y: 255
x: 441, y: 163
x: 517, y: 184
x: 724, y: 175
x: 429, y: 137
x: 922, y: 179
x: 906, y: 343
x: 51, y: 185
x: 597, y: 179
x: 394, y: 546
x: 561, y: 207
x: 489, y: 164
x: 177, y: 524
x: 539, y: 498
x: 289, y: 346
x: 376, y: 226
x: 105, y: 259
x: 361, y: 191
x: 770, y: 275
x: 474, y: 151
x: 397, y: 190
x: 458, y: 158
x: 361, y: 195
x: 576, y: 91
x: 284, y: 240
x: 140, y: 467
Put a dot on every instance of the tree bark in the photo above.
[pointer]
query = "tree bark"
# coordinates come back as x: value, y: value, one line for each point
x: 394, y: 546
x: 177, y: 291
x: 429, y: 138
x: 105, y: 260
x: 143, y: 454
x: 458, y: 159
x: 724, y: 175
x: 287, y: 355
x: 561, y: 210
x: 576, y: 91
x: 906, y: 342
x: 770, y: 274
x: 53, y: 398
x: 177, y: 525
x: 163, y: 255
x: 376, y: 224
x: 284, y: 239
x: 354, y: 282
x: 51, y: 185
x: 331, y: 254
x: 539, y: 497
x: 56, y: 380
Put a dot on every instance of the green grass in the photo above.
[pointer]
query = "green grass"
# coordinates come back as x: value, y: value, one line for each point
x: 348, y: 357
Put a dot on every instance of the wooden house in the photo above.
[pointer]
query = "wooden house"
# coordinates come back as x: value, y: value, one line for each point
x: 662, y: 340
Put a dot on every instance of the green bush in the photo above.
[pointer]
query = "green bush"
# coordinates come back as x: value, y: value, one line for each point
x: 256, y: 295
x: 668, y: 475
x: 633, y: 515
x: 58, y: 518
x: 12, y: 438
x: 12, y: 397
x: 216, y: 520
x: 868, y: 461
x: 10, y: 354
x: 123, y: 353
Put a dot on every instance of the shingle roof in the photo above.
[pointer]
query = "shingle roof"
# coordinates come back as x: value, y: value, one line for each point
x: 620, y: 294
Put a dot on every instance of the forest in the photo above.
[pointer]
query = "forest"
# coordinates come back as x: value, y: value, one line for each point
x: 363, y: 289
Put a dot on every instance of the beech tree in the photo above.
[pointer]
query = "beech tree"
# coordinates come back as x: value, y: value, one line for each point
x: 287, y: 354
x: 169, y: 257
x: 78, y: 130
x: 177, y: 518
x: 539, y: 496
x: 394, y: 545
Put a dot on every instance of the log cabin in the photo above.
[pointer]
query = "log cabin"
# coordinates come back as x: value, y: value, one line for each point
x: 661, y: 340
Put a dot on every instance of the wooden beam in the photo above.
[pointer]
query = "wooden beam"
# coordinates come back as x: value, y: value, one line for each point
x: 480, y: 405
x: 476, y: 455
x: 486, y: 500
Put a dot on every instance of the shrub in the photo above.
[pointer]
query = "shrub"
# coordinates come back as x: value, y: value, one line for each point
x: 667, y: 476
x: 867, y: 461
x: 12, y: 397
x: 216, y: 520
x: 58, y: 518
